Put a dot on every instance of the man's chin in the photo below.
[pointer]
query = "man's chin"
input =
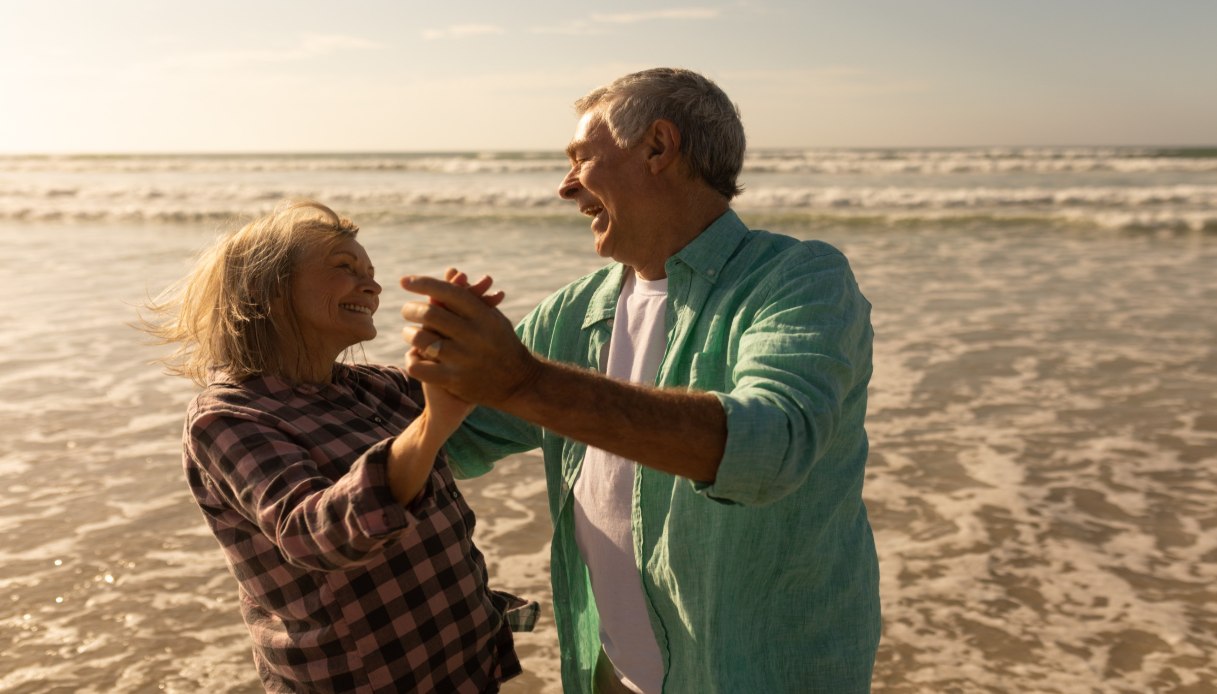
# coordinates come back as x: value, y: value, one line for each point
x: 603, y: 248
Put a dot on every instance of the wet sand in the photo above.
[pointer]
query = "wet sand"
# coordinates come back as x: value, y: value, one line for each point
x: 1044, y: 458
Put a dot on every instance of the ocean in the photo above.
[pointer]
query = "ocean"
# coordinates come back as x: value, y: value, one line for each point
x: 1043, y: 415
x: 1108, y: 188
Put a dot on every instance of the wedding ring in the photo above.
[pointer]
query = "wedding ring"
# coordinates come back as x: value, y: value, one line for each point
x: 431, y: 351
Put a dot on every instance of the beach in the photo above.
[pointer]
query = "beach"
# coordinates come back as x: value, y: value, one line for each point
x: 1043, y: 411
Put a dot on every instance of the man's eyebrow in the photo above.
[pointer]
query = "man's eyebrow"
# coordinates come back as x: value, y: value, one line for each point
x: 571, y: 148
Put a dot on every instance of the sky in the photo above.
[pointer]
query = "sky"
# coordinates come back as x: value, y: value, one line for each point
x: 99, y: 76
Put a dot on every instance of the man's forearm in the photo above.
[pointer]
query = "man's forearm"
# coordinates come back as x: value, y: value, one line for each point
x: 677, y: 431
x: 483, y: 361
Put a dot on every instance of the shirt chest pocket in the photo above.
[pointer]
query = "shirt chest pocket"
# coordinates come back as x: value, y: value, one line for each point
x: 708, y: 371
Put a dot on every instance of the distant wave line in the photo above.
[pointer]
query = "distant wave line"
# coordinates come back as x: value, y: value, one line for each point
x: 225, y: 197
x: 1166, y: 218
x: 783, y: 161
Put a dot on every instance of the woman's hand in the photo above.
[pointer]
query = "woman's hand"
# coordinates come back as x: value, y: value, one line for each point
x: 414, y: 450
x: 445, y: 410
x: 483, y: 285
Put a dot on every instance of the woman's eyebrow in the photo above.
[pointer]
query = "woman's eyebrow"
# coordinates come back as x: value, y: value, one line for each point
x: 352, y: 256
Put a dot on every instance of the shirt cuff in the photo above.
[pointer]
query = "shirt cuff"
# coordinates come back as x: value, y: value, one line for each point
x: 520, y: 614
x: 380, y: 513
x: 747, y: 467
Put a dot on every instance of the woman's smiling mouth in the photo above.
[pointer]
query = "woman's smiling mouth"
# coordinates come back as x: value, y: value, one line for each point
x: 357, y: 308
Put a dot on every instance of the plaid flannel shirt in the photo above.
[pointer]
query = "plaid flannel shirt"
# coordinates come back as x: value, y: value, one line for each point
x: 342, y: 587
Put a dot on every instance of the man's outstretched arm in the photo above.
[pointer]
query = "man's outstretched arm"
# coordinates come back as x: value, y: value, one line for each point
x: 483, y: 361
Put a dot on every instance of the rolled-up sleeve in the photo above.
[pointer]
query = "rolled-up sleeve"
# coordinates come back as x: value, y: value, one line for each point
x: 488, y: 435
x: 803, y: 355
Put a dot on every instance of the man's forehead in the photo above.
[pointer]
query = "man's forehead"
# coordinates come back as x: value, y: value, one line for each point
x: 587, y: 128
x: 586, y: 124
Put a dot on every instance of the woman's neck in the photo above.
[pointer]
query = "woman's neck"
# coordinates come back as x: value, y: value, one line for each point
x: 311, y: 374
x: 300, y: 364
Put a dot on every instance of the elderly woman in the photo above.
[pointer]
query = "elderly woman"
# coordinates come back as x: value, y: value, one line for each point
x: 323, y: 481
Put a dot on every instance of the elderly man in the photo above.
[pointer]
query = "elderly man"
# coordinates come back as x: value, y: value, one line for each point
x: 700, y: 404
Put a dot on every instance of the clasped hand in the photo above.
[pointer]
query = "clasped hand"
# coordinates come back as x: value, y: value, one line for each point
x: 480, y: 359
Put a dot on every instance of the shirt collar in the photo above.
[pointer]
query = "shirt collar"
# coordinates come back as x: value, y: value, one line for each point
x: 603, y: 305
x: 705, y: 255
x: 282, y: 388
x: 709, y: 252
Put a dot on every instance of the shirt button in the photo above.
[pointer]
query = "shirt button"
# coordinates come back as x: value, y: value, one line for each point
x: 378, y: 419
x: 710, y: 272
x: 456, y: 493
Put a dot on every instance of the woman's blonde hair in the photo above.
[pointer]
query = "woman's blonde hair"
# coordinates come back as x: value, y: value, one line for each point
x: 220, y: 315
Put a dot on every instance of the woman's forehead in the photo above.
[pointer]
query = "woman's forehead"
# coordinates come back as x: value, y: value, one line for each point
x: 342, y: 245
x: 347, y: 244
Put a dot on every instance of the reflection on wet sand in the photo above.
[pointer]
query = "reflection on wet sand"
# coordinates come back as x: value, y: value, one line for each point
x: 1044, y: 460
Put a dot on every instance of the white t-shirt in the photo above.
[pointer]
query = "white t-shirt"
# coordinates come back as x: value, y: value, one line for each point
x: 604, y: 496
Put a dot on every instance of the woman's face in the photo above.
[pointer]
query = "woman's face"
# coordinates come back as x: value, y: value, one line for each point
x: 335, y: 295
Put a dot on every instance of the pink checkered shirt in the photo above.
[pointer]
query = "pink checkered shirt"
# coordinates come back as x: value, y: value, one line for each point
x: 342, y: 588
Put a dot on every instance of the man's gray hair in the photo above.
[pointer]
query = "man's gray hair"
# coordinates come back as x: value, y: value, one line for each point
x: 711, y: 133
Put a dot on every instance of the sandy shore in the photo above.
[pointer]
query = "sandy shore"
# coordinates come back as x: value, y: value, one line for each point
x: 1043, y: 434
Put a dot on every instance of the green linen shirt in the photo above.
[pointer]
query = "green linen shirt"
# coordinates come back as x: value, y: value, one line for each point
x: 765, y: 580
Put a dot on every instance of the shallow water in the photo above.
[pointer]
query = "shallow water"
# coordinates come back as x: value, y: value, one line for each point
x: 1043, y: 469
x: 1044, y: 437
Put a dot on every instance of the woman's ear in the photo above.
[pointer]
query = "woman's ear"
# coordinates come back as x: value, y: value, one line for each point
x: 663, y: 143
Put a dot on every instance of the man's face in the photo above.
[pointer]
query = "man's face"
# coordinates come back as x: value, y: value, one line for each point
x: 609, y: 184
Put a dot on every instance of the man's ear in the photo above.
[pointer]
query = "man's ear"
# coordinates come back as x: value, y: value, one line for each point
x: 663, y: 145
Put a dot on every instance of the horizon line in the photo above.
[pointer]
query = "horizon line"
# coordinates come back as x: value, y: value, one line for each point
x: 556, y: 151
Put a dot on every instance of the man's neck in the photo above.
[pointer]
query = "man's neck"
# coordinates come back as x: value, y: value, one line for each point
x: 684, y: 223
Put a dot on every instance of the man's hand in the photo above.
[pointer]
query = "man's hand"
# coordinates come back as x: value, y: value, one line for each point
x: 445, y: 409
x: 460, y: 279
x: 480, y: 359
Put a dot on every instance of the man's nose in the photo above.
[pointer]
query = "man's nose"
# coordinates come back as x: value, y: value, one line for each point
x: 569, y: 185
